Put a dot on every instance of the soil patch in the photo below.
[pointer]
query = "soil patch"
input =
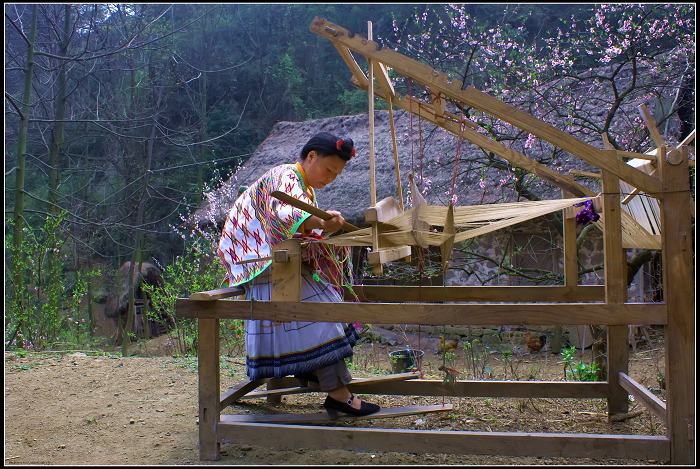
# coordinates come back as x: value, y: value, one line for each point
x: 90, y: 409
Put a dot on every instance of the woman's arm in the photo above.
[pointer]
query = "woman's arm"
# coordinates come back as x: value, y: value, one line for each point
x: 328, y: 226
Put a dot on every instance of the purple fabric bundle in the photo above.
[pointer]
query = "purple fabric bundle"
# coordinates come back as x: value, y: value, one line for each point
x: 587, y: 214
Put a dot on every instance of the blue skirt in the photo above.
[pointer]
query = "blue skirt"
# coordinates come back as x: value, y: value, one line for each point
x: 278, y: 349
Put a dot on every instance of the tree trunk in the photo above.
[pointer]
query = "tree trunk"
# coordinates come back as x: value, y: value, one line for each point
x: 59, y: 113
x: 19, y: 182
x: 137, y: 254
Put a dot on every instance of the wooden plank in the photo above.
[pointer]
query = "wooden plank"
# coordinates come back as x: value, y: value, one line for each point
x: 505, y: 389
x: 350, y: 61
x: 370, y: 114
x: 208, y: 371
x: 480, y: 293
x: 355, y: 385
x: 218, y: 294
x: 463, y: 388
x: 323, y: 417
x: 383, y: 211
x: 427, y: 313
x: 286, y: 286
x: 588, y: 174
x: 651, y: 125
x: 382, y: 77
x: 310, y: 209
x: 643, y: 395
x: 383, y: 256
x: 238, y: 391
x: 448, y: 442
x: 679, y: 293
x: 286, y: 276
x: 437, y: 81
x: 615, y: 261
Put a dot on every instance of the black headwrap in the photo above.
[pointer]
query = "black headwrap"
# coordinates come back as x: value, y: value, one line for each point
x: 329, y: 144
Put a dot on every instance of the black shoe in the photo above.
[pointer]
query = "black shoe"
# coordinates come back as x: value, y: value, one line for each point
x: 366, y: 408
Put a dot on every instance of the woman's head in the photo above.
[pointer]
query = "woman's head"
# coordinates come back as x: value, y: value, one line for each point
x: 323, y: 158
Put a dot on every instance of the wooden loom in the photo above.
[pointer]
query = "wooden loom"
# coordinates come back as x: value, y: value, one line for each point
x: 556, y: 305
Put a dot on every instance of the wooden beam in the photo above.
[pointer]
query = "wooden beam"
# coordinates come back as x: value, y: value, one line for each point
x: 212, y: 295
x: 209, y: 379
x: 356, y: 385
x: 587, y: 174
x: 350, y: 61
x: 382, y: 77
x: 451, y: 442
x: 615, y: 260
x: 437, y: 81
x: 324, y: 417
x: 688, y: 139
x: 386, y: 255
x: 439, y: 106
x: 425, y: 313
x: 643, y: 395
x: 651, y: 125
x: 505, y: 389
x: 238, y: 391
x: 468, y: 293
x: 679, y: 293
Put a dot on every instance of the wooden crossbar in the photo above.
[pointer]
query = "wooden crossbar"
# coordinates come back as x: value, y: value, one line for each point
x: 218, y: 294
x: 323, y: 417
x: 480, y: 293
x: 643, y: 395
x: 357, y: 384
x: 578, y: 445
x: 430, y: 313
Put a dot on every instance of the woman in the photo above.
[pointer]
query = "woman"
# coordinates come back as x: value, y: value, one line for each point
x: 310, y: 350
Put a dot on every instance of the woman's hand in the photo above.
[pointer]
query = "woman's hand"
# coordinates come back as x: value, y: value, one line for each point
x: 333, y: 224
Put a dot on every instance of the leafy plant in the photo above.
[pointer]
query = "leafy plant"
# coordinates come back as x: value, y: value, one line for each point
x: 195, y: 270
x: 581, y: 371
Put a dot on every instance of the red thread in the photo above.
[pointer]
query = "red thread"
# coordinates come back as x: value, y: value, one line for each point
x: 339, y: 144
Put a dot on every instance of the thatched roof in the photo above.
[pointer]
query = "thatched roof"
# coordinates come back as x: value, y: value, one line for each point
x: 349, y: 193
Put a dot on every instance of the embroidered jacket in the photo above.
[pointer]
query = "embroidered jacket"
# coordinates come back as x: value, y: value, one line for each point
x: 258, y: 220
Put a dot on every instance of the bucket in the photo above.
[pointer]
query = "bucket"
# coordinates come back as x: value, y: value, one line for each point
x: 405, y: 360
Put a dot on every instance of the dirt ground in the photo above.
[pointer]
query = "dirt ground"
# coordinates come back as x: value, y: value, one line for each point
x: 87, y: 408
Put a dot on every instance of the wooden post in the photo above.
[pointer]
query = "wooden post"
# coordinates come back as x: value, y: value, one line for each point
x: 372, y: 182
x: 376, y: 269
x: 679, y: 296
x: 570, y: 264
x: 208, y: 369
x: 399, y: 191
x: 286, y: 286
x: 615, y: 292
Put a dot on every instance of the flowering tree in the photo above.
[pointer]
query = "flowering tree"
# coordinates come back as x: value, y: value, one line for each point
x: 585, y: 74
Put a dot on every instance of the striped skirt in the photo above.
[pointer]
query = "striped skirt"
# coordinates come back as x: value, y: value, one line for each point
x: 277, y: 349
